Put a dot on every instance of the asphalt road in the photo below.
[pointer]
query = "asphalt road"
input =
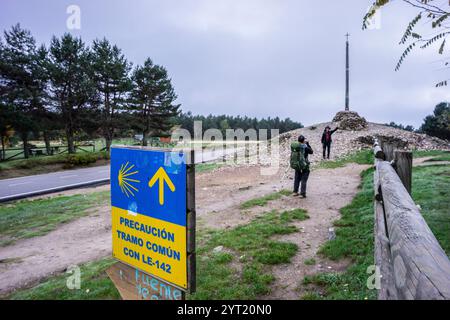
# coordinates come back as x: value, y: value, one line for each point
x: 23, y: 187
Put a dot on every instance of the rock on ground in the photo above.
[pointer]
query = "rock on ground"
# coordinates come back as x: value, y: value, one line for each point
x: 350, y: 120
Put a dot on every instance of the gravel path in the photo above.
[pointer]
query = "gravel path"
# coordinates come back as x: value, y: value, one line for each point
x: 330, y: 190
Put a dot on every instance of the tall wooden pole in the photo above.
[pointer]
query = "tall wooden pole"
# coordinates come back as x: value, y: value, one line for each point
x: 347, y: 76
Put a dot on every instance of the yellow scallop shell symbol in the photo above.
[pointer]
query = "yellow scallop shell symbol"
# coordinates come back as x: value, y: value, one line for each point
x: 126, y: 182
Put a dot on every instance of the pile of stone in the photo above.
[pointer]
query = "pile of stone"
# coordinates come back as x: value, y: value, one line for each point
x: 344, y: 143
x: 349, y: 141
x: 350, y: 120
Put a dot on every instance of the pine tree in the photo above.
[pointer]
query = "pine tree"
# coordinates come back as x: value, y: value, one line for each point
x: 110, y: 72
x: 152, y: 100
x: 17, y: 83
x: 72, y: 88
x: 45, y: 117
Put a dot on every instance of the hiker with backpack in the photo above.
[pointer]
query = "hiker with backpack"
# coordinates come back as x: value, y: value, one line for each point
x: 326, y: 140
x: 300, y: 163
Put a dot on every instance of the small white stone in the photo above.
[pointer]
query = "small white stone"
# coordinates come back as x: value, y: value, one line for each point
x: 218, y: 249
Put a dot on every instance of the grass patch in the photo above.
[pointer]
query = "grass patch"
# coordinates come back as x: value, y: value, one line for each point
x: 432, y: 192
x: 295, y: 214
x: 207, y: 167
x: 354, y: 240
x: 429, y: 153
x: 95, y: 284
x: 438, y: 155
x: 253, y: 251
x: 354, y: 233
x: 310, y: 262
x: 311, y: 296
x: 361, y: 157
x: 241, y: 271
x: 445, y: 157
x: 26, y: 219
x: 263, y: 201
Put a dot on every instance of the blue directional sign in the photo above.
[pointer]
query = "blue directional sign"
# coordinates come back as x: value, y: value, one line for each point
x: 148, y: 198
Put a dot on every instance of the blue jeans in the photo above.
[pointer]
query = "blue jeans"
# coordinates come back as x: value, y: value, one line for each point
x: 301, y: 176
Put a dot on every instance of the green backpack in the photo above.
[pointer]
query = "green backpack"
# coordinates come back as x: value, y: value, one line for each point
x: 298, y: 160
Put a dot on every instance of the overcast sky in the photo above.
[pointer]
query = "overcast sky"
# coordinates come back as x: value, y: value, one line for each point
x: 259, y: 58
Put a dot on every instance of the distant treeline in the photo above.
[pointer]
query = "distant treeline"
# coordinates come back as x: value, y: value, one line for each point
x: 224, y: 122
x: 400, y: 126
x: 436, y: 124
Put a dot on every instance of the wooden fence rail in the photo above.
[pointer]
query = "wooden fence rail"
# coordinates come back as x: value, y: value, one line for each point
x: 412, y: 263
x: 42, y: 151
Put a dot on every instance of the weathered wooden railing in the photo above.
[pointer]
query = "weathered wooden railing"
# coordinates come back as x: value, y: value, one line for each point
x: 42, y: 151
x: 412, y: 263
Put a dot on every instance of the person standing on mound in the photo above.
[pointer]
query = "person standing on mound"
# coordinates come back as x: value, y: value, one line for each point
x: 327, y: 140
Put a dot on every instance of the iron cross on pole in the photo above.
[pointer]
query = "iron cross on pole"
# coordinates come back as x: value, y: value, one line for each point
x: 347, y: 76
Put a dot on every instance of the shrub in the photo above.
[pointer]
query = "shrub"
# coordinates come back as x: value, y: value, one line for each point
x: 29, y: 164
x: 104, y: 155
x: 80, y: 159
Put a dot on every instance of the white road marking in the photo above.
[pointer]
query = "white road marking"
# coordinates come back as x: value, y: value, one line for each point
x: 18, y: 184
x: 69, y: 176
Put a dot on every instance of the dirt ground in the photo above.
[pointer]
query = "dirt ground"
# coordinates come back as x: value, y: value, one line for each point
x: 330, y: 190
x: 218, y: 196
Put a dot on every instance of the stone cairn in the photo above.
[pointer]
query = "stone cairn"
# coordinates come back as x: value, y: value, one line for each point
x: 350, y: 120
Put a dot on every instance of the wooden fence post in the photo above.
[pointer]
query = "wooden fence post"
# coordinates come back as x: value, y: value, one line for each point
x: 403, y: 167
x: 388, y: 151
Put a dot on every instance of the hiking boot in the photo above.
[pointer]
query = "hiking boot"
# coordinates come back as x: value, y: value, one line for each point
x: 303, y: 195
x: 295, y: 194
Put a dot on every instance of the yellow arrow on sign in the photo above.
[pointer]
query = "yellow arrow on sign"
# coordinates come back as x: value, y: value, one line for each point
x: 162, y: 177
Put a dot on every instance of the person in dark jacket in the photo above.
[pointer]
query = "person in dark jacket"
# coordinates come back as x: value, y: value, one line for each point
x: 326, y: 140
x: 301, y: 176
